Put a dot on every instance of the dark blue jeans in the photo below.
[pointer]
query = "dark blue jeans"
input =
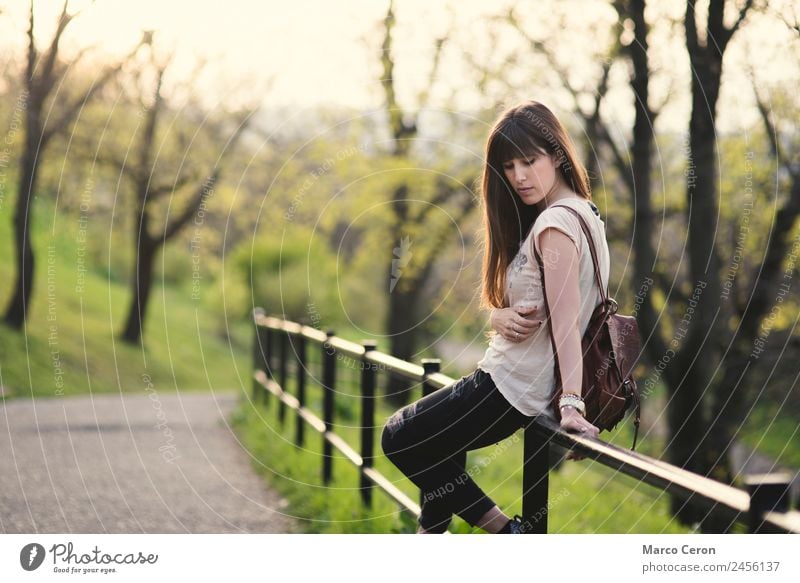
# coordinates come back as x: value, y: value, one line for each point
x: 429, y: 439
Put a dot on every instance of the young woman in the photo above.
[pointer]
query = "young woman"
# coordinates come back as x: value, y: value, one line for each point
x: 531, y: 172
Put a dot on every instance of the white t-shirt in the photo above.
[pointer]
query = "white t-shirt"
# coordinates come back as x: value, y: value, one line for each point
x: 524, y: 372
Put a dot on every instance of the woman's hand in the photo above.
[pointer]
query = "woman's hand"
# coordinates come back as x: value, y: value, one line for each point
x: 518, y: 323
x: 572, y: 420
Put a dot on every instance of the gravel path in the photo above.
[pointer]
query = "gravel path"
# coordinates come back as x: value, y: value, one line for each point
x: 145, y: 463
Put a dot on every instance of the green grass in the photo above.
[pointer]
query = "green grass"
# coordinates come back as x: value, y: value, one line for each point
x: 585, y: 497
x: 775, y: 433
x: 71, y: 344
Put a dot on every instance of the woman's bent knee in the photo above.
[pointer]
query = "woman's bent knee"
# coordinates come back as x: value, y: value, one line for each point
x: 389, y: 435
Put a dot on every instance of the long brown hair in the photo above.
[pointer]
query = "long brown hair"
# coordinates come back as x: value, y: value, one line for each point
x: 523, y: 130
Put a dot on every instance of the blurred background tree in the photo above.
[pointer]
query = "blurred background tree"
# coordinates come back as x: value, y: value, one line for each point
x: 44, y: 117
x: 179, y: 166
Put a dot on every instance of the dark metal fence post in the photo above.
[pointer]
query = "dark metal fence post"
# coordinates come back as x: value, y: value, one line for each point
x: 429, y: 366
x: 768, y: 492
x: 268, y: 359
x: 283, y: 343
x: 259, y: 354
x: 328, y: 388
x: 301, y: 389
x: 368, y: 374
x: 535, y: 481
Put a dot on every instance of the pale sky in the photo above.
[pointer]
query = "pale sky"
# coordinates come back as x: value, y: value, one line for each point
x: 309, y: 52
x: 314, y: 50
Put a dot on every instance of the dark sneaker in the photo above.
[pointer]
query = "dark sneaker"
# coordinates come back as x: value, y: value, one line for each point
x: 514, y: 526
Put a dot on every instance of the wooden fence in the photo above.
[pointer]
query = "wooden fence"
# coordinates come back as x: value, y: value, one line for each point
x: 763, y: 507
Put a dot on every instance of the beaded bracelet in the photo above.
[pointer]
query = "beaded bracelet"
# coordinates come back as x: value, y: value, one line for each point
x: 572, y: 400
x: 568, y: 394
x: 571, y: 397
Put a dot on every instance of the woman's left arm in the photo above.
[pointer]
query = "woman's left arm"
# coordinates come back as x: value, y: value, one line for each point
x: 562, y: 286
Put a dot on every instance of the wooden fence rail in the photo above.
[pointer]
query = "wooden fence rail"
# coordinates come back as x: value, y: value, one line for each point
x: 764, y: 507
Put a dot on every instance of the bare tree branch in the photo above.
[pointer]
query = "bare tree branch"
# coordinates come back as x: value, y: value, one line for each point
x: 465, y: 207
x: 52, y: 52
x: 71, y: 110
x: 31, y: 64
x: 444, y: 193
x: 742, y: 14
x: 400, y: 130
x: 766, y: 119
x: 206, y: 188
x: 148, y: 136
x: 156, y: 192
x: 690, y: 27
x: 203, y: 191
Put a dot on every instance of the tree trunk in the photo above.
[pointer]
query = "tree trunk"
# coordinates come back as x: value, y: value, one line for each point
x: 146, y: 251
x: 690, y: 392
x: 641, y: 162
x: 403, y: 333
x: 16, y: 311
x: 686, y: 425
x: 406, y: 295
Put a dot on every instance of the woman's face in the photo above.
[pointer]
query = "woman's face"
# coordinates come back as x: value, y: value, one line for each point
x: 532, y: 176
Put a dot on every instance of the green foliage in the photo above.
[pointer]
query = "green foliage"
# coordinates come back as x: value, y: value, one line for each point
x: 225, y: 301
x: 292, y: 274
x: 173, y: 264
x: 110, y: 255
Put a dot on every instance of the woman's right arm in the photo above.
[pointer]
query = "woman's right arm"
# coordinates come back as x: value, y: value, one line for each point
x: 563, y: 292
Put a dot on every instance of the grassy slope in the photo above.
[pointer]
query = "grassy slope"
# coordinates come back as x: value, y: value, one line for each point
x: 774, y: 433
x: 183, y: 349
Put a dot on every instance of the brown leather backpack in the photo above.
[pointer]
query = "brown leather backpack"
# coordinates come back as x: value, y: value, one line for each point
x: 611, y: 346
